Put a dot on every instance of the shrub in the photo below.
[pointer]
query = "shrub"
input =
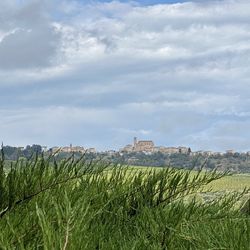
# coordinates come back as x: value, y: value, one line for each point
x: 80, y: 204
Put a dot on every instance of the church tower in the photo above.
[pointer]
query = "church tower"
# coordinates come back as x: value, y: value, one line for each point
x: 135, y: 141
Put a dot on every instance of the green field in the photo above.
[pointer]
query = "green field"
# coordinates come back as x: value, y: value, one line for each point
x: 235, y: 182
x: 231, y: 183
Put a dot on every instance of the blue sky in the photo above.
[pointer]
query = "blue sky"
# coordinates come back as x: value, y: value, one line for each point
x: 96, y: 74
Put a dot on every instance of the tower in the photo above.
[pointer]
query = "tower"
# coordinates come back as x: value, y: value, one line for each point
x: 135, y: 141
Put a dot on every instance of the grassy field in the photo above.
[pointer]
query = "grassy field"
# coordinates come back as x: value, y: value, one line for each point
x: 235, y: 182
x: 231, y: 183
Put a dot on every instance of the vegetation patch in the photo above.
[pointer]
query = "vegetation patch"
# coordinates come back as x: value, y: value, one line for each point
x: 84, y: 204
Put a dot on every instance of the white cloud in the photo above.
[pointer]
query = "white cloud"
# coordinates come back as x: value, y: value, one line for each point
x: 30, y: 40
x: 222, y: 135
x: 46, y: 125
x: 169, y: 72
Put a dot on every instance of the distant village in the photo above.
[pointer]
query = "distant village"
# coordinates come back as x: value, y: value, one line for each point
x: 72, y: 149
x: 149, y: 147
x: 143, y: 146
x: 142, y: 153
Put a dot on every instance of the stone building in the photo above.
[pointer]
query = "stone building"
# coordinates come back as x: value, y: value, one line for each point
x: 184, y: 150
x: 91, y: 150
x: 55, y: 150
x: 173, y: 150
x: 69, y: 149
x: 147, y: 146
x: 167, y: 150
x: 127, y: 149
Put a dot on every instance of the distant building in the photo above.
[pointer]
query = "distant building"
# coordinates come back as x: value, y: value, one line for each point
x: 66, y: 149
x: 69, y: 149
x: 110, y: 152
x: 198, y: 153
x: 167, y: 150
x: 78, y: 149
x: 127, y: 149
x: 147, y: 146
x: 55, y: 150
x: 139, y: 146
x: 208, y: 153
x: 230, y: 152
x: 91, y: 150
x: 184, y: 150
x: 218, y: 154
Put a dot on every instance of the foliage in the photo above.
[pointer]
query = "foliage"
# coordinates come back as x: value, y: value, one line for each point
x: 13, y: 153
x: 82, y: 204
x: 238, y: 163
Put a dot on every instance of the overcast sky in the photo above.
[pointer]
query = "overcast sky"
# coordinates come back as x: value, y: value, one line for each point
x: 98, y: 73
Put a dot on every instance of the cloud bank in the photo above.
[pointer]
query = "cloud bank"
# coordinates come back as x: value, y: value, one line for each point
x: 97, y: 74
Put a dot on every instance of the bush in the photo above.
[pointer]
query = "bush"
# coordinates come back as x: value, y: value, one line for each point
x: 81, y: 204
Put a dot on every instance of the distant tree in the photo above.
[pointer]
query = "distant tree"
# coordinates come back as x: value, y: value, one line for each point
x: 36, y: 148
x: 32, y: 150
x: 8, y: 150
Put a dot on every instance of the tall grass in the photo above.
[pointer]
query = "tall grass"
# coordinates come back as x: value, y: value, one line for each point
x: 79, y: 204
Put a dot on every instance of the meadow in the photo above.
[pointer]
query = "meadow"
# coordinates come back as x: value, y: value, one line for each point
x: 230, y: 182
x: 79, y: 204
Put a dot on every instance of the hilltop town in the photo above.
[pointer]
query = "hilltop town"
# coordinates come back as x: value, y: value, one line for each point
x: 143, y: 153
x: 149, y: 147
x: 138, y: 146
x: 72, y: 149
x: 145, y: 146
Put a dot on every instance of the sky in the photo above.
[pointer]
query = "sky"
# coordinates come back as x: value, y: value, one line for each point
x: 98, y: 73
